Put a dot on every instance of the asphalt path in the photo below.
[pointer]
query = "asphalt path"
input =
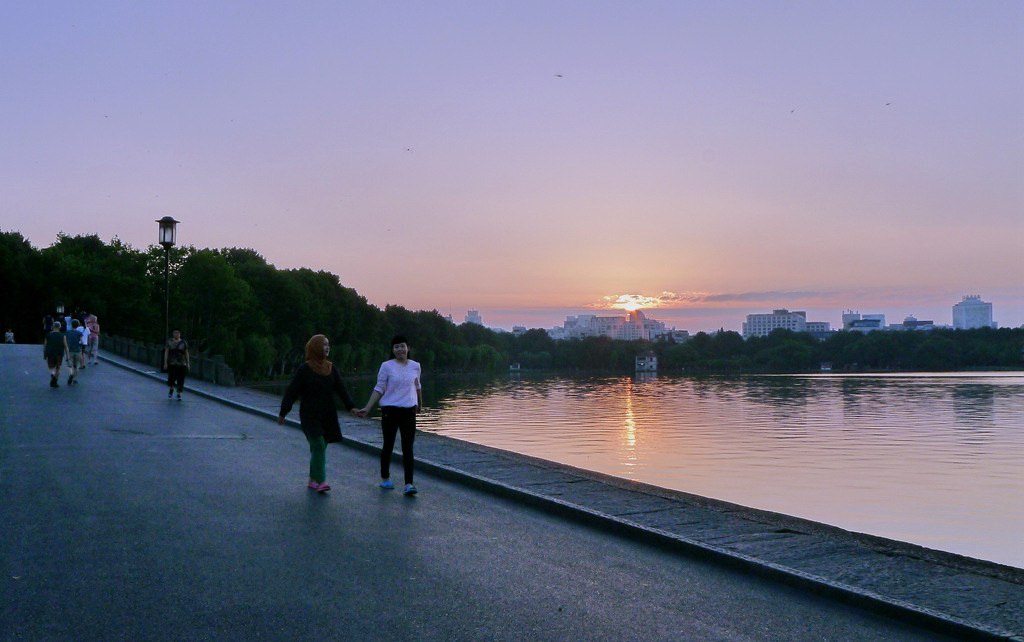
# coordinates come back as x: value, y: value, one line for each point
x: 128, y: 516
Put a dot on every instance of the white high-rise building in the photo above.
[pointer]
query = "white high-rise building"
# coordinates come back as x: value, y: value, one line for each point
x: 761, y: 325
x: 971, y: 313
x: 633, y: 326
x: 473, y: 316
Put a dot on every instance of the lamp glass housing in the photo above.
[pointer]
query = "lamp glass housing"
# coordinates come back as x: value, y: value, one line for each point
x: 168, y: 229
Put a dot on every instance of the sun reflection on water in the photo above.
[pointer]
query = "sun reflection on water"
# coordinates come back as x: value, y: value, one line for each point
x: 629, y: 455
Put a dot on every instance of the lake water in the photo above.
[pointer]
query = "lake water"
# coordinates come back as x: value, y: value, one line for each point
x: 933, y: 459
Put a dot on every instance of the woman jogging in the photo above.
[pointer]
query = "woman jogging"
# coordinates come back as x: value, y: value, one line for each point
x: 401, y: 397
x: 55, y: 349
x: 315, y: 383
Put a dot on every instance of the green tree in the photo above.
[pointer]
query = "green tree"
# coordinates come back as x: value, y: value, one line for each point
x: 87, y: 275
x: 26, y: 299
x: 212, y: 306
x: 487, y: 358
x: 936, y: 353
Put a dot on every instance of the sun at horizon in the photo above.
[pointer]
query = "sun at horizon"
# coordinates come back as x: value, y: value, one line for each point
x: 631, y: 302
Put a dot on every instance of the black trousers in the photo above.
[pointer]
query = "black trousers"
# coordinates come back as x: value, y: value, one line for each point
x: 393, y: 420
x: 176, y: 377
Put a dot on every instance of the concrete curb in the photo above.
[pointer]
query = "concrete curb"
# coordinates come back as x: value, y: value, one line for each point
x: 906, y: 611
x: 900, y: 609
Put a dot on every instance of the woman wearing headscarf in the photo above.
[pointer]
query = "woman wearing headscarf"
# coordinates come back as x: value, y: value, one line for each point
x: 316, y: 382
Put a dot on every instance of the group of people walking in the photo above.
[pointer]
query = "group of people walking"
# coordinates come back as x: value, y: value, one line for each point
x: 73, y: 342
x: 398, y: 390
x: 77, y: 343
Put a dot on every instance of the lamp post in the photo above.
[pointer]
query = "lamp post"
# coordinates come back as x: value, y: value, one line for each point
x: 167, y: 233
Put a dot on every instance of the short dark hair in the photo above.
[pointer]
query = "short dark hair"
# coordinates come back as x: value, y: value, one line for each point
x: 395, y: 340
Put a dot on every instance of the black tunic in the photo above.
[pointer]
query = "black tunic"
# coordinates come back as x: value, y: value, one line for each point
x: 317, y: 412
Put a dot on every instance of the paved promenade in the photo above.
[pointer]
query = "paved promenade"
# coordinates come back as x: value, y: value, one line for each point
x: 125, y: 515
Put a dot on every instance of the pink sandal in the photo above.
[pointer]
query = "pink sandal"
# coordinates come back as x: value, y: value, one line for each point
x: 313, y: 485
x: 323, y: 488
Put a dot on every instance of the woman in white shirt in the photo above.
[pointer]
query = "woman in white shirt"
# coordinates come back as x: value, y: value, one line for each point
x: 401, y: 397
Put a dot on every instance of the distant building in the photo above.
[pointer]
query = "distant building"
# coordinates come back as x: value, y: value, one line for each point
x: 761, y: 325
x: 647, y: 362
x: 473, y: 316
x: 518, y: 330
x: 912, y: 323
x: 972, y: 313
x: 856, y: 322
x: 558, y: 333
x: 676, y: 336
x: 819, y: 329
x: 868, y: 323
x: 633, y: 326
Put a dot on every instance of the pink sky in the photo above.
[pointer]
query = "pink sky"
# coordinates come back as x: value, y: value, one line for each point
x: 528, y: 159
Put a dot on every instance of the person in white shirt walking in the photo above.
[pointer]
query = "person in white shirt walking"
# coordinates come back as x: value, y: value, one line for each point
x: 401, y: 397
x: 83, y: 330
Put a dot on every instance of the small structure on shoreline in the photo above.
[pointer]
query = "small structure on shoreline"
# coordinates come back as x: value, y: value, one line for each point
x: 647, y: 362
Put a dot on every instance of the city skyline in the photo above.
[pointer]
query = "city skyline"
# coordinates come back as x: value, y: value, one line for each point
x: 734, y: 320
x: 541, y: 160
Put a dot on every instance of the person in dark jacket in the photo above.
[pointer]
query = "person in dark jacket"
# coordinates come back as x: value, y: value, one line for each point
x: 315, y: 383
x: 176, y: 363
x: 55, y: 349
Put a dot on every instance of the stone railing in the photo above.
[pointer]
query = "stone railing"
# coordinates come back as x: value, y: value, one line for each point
x: 201, y: 366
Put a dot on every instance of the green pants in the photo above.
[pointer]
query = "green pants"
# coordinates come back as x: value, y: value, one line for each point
x: 317, y: 459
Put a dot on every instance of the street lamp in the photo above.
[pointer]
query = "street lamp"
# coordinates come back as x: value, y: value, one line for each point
x: 167, y: 233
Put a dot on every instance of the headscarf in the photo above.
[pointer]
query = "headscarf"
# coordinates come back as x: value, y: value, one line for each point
x: 315, y: 356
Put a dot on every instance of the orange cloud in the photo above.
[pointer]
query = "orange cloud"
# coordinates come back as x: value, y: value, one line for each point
x: 688, y: 299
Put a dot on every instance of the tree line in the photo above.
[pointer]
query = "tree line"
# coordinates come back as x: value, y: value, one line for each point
x: 232, y: 302
x: 229, y: 302
x: 785, y: 351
